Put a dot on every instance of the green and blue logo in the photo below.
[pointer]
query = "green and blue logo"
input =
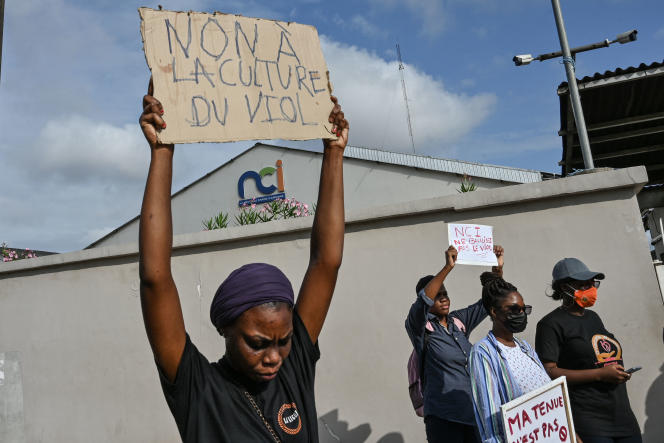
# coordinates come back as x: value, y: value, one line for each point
x: 267, y: 191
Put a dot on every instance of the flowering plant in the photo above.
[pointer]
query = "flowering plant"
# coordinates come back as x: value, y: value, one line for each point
x: 251, y: 213
x: 467, y: 185
x: 10, y: 254
x: 275, y: 210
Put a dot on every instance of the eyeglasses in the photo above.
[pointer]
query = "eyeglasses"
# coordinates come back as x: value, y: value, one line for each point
x: 518, y: 309
x: 584, y: 285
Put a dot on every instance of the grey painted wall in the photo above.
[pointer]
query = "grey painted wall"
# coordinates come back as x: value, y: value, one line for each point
x: 366, y: 184
x: 88, y: 373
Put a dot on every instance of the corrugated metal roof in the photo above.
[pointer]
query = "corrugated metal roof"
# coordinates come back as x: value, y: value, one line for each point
x: 624, y: 115
x: 502, y: 173
x: 620, y: 74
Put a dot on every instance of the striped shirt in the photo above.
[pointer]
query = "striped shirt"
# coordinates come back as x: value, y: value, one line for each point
x: 493, y: 384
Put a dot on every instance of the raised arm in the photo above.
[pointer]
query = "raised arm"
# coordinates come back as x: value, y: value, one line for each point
x: 162, y: 314
x: 327, y: 235
x: 432, y: 288
x: 500, y: 256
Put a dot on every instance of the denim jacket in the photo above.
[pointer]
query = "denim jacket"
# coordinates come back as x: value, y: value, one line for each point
x: 444, y: 362
x: 493, y: 385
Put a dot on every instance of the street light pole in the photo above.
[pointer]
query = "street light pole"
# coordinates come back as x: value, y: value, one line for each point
x: 573, y: 88
x: 2, y: 24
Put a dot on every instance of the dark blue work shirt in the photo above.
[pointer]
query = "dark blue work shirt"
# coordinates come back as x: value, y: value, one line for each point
x: 446, y: 375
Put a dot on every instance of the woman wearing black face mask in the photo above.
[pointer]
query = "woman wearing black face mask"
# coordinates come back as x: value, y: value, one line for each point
x: 502, y: 366
x: 572, y: 341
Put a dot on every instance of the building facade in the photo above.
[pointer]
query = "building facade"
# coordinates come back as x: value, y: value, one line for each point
x: 371, y: 178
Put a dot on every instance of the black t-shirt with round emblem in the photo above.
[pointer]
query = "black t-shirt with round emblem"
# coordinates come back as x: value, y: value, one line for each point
x: 210, y: 404
x: 582, y: 342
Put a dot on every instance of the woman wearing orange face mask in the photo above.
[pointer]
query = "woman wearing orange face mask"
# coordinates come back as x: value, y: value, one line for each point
x: 572, y: 341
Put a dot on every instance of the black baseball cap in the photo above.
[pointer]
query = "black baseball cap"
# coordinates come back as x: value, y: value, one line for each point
x: 575, y: 269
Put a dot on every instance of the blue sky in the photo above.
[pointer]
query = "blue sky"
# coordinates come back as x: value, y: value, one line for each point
x: 73, y: 73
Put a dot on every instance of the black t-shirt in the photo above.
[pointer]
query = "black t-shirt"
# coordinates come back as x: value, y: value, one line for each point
x: 582, y: 342
x: 209, y: 403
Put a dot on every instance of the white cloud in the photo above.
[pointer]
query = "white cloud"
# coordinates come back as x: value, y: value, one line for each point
x: 369, y: 89
x: 367, y: 28
x: 82, y: 149
x: 510, y: 143
x: 430, y: 12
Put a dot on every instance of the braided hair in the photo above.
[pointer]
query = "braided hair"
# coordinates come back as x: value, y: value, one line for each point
x: 494, y: 289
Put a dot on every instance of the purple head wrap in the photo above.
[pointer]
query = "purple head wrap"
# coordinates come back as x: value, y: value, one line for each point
x: 248, y: 286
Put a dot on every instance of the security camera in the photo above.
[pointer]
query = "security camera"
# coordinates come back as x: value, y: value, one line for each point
x: 522, y: 59
x: 626, y: 37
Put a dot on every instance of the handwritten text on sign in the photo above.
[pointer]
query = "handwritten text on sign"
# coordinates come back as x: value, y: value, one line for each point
x: 542, y: 416
x: 223, y: 77
x: 473, y: 242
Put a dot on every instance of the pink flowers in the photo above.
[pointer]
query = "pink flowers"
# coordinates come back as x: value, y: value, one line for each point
x: 250, y: 214
x: 9, y: 254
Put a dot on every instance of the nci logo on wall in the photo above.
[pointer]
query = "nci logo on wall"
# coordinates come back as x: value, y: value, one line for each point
x: 269, y: 192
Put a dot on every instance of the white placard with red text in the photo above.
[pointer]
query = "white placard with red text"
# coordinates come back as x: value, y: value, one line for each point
x: 540, y: 416
x: 474, y: 244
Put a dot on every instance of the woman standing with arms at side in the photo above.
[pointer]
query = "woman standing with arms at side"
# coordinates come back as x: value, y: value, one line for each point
x: 262, y: 388
x: 440, y: 339
x: 502, y: 366
x: 572, y: 341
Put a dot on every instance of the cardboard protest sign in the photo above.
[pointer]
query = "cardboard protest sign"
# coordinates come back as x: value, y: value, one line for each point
x: 474, y: 244
x: 541, y: 416
x: 223, y: 77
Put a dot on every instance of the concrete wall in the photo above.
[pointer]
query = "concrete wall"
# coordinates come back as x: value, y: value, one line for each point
x: 366, y: 183
x: 88, y: 373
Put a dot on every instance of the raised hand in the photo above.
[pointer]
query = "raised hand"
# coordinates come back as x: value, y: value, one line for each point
x: 500, y: 254
x: 339, y: 126
x: 151, y: 120
x: 450, y: 257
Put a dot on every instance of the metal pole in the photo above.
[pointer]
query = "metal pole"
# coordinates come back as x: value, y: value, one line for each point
x: 573, y: 89
x: 2, y: 22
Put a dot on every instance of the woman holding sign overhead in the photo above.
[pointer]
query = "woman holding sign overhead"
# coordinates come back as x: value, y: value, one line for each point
x: 502, y: 366
x: 440, y: 338
x: 262, y: 388
x: 572, y: 341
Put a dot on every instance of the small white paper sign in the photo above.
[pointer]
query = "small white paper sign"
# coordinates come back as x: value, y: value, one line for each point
x: 474, y: 244
x: 540, y: 416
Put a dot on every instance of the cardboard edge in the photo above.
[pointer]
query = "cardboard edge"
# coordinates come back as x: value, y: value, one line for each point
x: 257, y: 140
x: 213, y: 13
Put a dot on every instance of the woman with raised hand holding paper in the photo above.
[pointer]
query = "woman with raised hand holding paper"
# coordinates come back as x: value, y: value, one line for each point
x: 262, y: 389
x: 441, y: 338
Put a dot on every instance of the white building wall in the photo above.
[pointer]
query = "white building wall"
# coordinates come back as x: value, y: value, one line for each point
x: 366, y: 184
x: 88, y: 374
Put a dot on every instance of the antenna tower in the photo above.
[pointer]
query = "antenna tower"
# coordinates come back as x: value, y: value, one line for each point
x: 405, y: 98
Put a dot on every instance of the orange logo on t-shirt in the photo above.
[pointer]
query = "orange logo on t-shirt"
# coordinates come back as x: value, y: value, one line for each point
x: 607, y: 350
x: 289, y: 419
